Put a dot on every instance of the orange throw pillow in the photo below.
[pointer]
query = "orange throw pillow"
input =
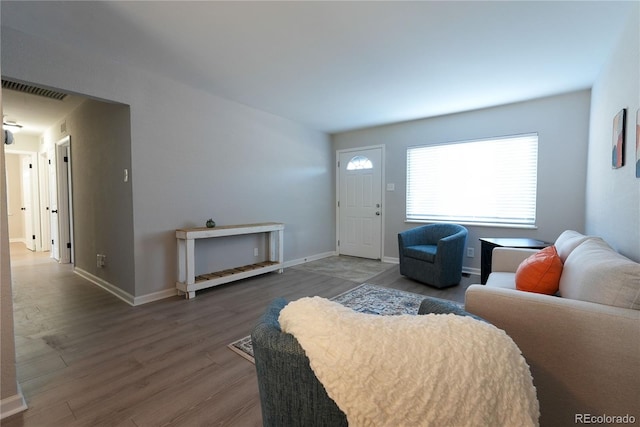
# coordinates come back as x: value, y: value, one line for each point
x: 540, y: 272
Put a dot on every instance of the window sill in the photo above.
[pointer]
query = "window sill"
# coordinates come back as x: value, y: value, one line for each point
x: 475, y: 224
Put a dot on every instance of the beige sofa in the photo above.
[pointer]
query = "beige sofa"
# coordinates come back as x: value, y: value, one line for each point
x: 582, y: 344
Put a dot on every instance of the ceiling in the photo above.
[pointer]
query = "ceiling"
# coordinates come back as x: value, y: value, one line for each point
x: 338, y: 65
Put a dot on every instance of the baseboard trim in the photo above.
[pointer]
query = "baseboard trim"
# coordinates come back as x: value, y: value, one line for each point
x: 304, y: 260
x: 466, y: 270
x: 112, y: 289
x: 155, y: 296
x: 13, y: 405
x: 471, y: 271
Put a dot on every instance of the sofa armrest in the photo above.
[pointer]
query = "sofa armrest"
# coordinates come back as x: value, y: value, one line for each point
x: 508, y: 259
x: 584, y: 357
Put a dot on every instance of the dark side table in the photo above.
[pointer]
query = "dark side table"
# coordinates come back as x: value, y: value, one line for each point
x: 488, y: 243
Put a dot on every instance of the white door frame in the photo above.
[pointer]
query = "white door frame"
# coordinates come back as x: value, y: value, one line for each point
x: 382, y: 192
x: 65, y: 200
x: 43, y: 192
x: 54, y: 230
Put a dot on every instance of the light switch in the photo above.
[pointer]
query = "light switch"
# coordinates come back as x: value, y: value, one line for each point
x: 391, y: 187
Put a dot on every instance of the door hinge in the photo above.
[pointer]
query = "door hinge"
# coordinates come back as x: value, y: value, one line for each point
x: 49, y: 161
x: 338, y: 242
x: 30, y: 166
x: 68, y: 245
x: 52, y: 242
x: 66, y: 159
x: 338, y: 203
x: 33, y: 237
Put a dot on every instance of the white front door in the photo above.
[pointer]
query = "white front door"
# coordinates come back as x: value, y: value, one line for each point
x: 360, y: 203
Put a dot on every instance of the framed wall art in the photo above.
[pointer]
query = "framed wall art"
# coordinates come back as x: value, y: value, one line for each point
x: 617, y: 157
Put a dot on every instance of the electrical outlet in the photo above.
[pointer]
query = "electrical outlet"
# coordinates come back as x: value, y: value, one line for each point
x: 101, y: 260
x: 471, y: 252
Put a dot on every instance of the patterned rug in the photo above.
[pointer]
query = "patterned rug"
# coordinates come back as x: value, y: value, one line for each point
x: 364, y: 298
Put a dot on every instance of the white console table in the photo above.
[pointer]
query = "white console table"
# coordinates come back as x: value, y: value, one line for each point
x: 188, y: 283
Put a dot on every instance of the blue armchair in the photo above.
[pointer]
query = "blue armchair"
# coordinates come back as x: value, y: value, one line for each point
x: 432, y: 254
x: 290, y: 393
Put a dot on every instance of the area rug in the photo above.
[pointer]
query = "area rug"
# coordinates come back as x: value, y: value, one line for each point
x: 364, y: 298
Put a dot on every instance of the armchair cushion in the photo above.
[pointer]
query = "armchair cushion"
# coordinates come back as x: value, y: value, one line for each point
x: 422, y: 252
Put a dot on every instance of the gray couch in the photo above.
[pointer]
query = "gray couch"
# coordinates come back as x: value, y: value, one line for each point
x: 583, y: 345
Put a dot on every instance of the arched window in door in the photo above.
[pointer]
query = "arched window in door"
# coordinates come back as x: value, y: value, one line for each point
x: 359, y: 162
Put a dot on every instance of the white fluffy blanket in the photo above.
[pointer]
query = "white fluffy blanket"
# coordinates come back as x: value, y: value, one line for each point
x: 427, y: 370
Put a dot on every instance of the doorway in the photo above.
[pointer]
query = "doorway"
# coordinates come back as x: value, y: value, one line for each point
x: 360, y: 204
x: 23, y: 198
x: 62, y: 203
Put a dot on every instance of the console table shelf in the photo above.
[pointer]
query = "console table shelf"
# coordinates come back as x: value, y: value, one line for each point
x: 188, y: 283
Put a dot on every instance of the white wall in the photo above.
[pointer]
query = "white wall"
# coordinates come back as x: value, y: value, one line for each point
x: 562, y: 125
x: 613, y: 195
x: 194, y: 156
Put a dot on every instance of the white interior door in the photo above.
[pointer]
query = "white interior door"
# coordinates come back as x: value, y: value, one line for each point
x: 53, y: 204
x: 27, y: 201
x: 360, y: 203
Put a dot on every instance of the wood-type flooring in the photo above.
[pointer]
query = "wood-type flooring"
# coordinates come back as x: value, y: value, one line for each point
x: 86, y: 358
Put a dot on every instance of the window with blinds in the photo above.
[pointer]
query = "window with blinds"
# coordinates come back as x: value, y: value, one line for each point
x: 483, y: 182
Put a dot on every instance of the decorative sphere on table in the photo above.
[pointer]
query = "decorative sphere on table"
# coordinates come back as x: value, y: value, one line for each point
x: 210, y: 223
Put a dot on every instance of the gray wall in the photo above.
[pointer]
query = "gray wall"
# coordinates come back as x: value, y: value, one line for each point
x: 102, y: 202
x: 8, y: 377
x: 613, y: 195
x: 562, y: 123
x: 14, y: 196
x: 194, y: 156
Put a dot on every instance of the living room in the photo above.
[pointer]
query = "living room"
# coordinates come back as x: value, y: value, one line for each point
x: 193, y: 155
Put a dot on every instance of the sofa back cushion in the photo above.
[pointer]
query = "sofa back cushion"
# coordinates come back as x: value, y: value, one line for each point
x: 594, y: 272
x: 540, y: 272
x: 567, y: 242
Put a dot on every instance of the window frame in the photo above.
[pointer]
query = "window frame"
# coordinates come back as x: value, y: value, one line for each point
x: 528, y: 162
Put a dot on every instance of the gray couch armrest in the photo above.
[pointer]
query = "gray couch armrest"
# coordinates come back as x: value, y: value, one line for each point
x: 584, y: 357
x: 431, y: 305
x: 508, y: 259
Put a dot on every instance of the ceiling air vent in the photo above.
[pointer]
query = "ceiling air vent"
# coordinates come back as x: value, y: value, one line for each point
x: 21, y: 87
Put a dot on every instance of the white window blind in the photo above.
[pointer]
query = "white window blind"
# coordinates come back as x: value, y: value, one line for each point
x: 489, y: 181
